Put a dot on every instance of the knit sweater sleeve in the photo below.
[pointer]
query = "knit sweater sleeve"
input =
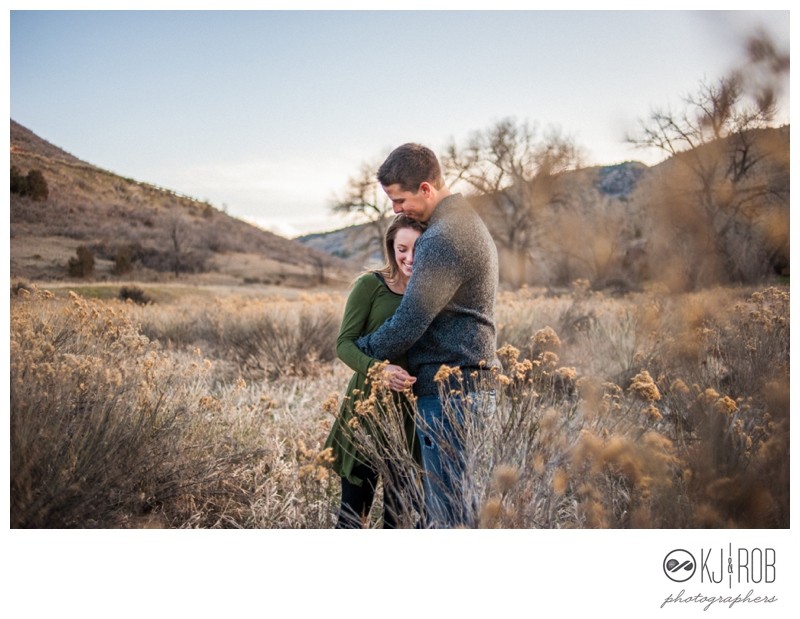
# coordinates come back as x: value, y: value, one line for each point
x: 436, y: 278
x: 354, y: 322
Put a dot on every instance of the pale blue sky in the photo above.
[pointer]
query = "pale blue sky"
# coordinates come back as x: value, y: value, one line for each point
x: 268, y: 113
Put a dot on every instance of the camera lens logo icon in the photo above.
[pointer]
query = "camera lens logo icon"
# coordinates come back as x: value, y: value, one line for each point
x: 679, y: 565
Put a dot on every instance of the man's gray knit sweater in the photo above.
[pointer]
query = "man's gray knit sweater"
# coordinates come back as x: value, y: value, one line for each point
x: 447, y: 313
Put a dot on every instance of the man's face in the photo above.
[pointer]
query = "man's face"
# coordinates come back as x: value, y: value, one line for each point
x: 416, y: 205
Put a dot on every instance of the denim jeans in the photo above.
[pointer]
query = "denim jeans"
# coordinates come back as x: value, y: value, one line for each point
x: 442, y: 435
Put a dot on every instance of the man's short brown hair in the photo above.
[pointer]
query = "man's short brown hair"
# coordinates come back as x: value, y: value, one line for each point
x: 409, y: 166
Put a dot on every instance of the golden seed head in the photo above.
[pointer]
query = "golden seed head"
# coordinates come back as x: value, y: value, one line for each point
x: 505, y: 477
x: 642, y: 385
x: 560, y: 481
x: 546, y: 340
x: 726, y: 405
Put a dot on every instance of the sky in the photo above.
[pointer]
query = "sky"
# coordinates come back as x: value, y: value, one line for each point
x: 266, y: 114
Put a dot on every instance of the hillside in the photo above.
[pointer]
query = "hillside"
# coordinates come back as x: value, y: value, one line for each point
x: 137, y: 231
x: 356, y: 243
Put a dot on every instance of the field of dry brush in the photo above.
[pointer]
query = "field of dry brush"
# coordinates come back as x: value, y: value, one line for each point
x: 648, y: 410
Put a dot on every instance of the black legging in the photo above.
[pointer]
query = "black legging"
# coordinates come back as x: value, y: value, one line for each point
x: 357, y: 500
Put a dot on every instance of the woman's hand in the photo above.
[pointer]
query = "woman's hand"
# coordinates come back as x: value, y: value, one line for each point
x: 397, y: 379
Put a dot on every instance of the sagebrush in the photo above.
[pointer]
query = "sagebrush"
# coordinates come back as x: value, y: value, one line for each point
x: 649, y: 410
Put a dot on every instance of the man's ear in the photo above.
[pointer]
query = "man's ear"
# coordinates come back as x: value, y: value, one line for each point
x: 426, y: 188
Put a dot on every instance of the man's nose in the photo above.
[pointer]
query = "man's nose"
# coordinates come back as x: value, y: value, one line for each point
x: 397, y: 208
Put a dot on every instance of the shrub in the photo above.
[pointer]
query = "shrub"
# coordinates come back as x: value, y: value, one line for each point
x: 37, y: 185
x: 617, y: 439
x: 660, y: 411
x: 21, y: 287
x: 135, y: 294
x: 33, y: 184
x: 193, y: 260
x: 123, y: 262
x: 85, y: 427
x: 83, y: 264
x: 269, y: 338
x: 19, y: 183
x: 107, y: 430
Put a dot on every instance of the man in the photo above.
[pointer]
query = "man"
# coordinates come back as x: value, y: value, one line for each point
x: 446, y: 317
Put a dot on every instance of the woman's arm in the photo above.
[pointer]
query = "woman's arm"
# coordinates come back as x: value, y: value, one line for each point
x: 354, y: 321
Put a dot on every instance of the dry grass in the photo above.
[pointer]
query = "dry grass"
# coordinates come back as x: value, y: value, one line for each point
x: 652, y: 410
x: 110, y: 428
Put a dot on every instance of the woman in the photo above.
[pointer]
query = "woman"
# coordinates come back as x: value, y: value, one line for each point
x: 373, y: 299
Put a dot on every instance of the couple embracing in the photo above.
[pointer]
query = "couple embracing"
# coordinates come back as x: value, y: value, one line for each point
x: 432, y: 305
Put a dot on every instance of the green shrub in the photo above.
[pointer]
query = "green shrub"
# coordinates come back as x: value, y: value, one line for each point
x: 19, y: 183
x: 135, y: 294
x: 37, y: 185
x: 123, y: 261
x: 33, y: 184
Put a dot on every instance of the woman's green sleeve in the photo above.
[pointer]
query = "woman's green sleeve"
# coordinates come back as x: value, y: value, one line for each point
x: 354, y: 324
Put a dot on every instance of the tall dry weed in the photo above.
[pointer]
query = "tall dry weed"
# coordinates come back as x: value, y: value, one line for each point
x: 109, y: 429
x: 599, y: 427
x: 272, y: 337
x: 649, y: 410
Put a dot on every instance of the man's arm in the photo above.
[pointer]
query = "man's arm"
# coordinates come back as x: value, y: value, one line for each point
x: 436, y: 278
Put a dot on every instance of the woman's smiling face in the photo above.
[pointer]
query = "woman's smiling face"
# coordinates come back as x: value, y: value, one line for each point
x: 404, y: 249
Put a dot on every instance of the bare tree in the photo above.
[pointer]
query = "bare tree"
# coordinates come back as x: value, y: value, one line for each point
x: 516, y: 170
x: 731, y: 178
x: 177, y: 234
x: 184, y: 255
x: 319, y: 263
x: 365, y: 200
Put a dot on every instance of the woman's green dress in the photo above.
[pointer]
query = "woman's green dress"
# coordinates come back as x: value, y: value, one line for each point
x: 368, y: 306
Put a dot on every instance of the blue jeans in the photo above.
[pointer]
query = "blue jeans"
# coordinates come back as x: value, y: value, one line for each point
x: 442, y: 435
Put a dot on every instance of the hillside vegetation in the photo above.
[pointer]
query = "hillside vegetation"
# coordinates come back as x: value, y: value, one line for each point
x: 714, y: 214
x: 137, y: 231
